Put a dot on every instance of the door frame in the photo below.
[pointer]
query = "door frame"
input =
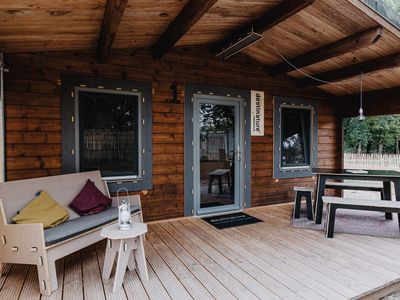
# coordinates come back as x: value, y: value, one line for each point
x: 222, y: 93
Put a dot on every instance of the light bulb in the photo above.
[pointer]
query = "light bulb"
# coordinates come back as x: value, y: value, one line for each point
x: 361, y: 115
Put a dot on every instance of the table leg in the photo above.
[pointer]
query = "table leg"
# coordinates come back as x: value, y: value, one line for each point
x: 387, y: 192
x: 109, y: 258
x: 318, y: 199
x: 397, y: 194
x: 131, y: 262
x: 220, y: 184
x: 124, y: 252
x: 141, y: 260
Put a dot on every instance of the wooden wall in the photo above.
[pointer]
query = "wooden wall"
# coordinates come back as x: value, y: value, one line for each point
x: 33, y: 133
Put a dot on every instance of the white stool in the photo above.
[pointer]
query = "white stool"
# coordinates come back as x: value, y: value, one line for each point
x: 129, y: 246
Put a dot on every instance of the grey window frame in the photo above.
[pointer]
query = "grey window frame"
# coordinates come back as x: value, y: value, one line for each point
x: 294, y: 171
x: 71, y: 86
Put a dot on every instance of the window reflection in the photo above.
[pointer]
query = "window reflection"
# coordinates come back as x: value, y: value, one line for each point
x: 108, y: 133
x: 296, y: 140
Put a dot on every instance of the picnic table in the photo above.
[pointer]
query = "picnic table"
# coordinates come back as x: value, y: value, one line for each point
x: 364, y: 175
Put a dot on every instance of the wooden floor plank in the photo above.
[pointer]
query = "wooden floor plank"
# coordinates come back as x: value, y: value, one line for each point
x: 297, y: 270
x: 154, y: 288
x: 248, y: 280
x: 335, y: 250
x: 189, y: 259
x: 351, y: 260
x: 235, y: 286
x: 108, y: 284
x: 6, y: 271
x: 30, y: 289
x: 168, y: 279
x: 73, y: 285
x: 15, y: 280
x: 383, y: 264
x: 188, y: 280
x: 92, y: 283
x: 199, y: 271
x: 283, y: 285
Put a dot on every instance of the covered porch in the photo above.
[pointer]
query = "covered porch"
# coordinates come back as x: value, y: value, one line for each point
x: 198, y: 108
x: 189, y: 259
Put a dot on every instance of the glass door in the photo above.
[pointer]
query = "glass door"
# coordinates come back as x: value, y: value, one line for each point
x: 217, y: 155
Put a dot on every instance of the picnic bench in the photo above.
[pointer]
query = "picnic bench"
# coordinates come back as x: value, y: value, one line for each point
x: 334, y: 203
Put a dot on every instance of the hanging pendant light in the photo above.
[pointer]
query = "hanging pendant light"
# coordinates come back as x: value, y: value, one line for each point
x: 361, y: 111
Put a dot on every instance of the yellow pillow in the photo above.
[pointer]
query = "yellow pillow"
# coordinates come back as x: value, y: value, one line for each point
x: 43, y: 209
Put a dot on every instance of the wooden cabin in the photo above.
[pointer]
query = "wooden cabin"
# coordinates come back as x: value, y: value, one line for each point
x: 185, y: 102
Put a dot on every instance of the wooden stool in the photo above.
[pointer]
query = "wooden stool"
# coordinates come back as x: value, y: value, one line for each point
x: 219, y: 173
x: 301, y: 192
x: 129, y: 246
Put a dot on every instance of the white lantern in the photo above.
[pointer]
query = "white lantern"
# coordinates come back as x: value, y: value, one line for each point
x: 124, y: 211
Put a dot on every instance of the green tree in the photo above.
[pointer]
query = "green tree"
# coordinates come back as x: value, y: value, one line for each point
x: 375, y: 134
x: 357, y: 135
x: 394, y: 4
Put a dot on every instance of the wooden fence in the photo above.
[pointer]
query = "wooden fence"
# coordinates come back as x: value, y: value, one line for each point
x: 372, y: 161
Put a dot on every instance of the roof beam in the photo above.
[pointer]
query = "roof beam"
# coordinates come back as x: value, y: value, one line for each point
x: 273, y: 17
x: 370, y: 66
x: 188, y: 16
x: 343, y: 46
x: 109, y: 27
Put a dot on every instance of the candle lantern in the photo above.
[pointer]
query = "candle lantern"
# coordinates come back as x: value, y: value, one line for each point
x: 124, y: 210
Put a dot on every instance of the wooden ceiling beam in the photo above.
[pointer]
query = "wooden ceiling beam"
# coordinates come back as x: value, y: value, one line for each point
x: 343, y: 46
x: 370, y: 66
x: 109, y: 27
x: 271, y: 18
x: 187, y: 17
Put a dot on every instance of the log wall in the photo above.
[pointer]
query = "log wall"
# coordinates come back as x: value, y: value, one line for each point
x: 33, y: 126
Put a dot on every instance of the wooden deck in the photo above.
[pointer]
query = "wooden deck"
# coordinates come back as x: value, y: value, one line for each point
x: 189, y: 259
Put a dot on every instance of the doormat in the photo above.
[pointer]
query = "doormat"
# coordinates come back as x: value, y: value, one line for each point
x: 231, y: 220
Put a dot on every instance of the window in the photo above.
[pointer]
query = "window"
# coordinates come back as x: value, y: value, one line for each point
x: 295, y: 137
x: 108, y: 133
x: 106, y: 126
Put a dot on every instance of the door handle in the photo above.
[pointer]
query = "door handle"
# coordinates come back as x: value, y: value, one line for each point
x: 238, y: 154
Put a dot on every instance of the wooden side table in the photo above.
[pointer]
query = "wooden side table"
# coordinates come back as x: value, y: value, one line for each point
x: 129, y: 246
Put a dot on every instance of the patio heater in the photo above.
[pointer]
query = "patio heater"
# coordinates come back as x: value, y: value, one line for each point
x: 361, y: 116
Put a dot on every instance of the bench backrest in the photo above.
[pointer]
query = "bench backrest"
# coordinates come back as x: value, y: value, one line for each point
x: 63, y: 188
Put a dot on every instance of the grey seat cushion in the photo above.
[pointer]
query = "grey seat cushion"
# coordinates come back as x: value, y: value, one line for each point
x: 81, y: 225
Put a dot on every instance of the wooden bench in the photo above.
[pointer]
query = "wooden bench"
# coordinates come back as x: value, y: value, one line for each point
x: 31, y: 244
x: 334, y: 203
x: 357, y: 186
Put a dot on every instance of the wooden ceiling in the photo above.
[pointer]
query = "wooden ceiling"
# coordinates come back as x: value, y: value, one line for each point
x: 42, y: 25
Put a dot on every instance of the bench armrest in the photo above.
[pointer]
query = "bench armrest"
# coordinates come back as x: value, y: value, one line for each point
x: 21, y: 243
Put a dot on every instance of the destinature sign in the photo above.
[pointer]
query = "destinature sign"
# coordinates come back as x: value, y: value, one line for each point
x: 257, y: 113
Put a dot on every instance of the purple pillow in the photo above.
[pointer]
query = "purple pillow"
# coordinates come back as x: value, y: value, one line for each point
x: 90, y: 200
